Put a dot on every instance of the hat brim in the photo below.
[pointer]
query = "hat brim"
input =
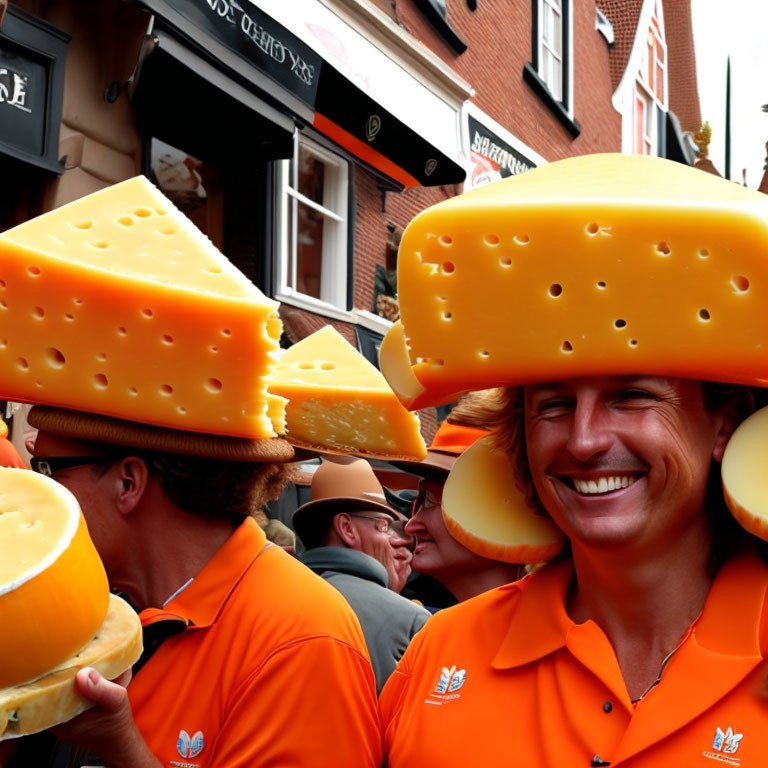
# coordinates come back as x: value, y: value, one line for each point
x: 80, y: 425
x: 312, y: 520
x: 436, y: 464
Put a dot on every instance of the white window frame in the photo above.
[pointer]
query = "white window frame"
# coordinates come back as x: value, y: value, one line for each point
x: 335, y: 256
x: 550, y: 53
x: 650, y: 120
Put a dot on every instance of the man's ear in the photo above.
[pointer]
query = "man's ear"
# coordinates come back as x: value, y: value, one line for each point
x: 133, y: 477
x: 733, y: 414
x: 345, y: 529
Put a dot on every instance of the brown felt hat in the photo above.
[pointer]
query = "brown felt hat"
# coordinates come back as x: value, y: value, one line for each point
x: 80, y: 425
x: 340, y: 484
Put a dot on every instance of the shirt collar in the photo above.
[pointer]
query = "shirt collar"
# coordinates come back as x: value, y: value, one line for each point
x: 200, y: 603
x: 539, y: 624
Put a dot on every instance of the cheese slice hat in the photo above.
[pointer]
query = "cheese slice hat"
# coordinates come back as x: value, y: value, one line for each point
x: 595, y: 265
x: 600, y: 264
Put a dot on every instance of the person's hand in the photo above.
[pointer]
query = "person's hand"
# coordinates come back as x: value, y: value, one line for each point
x: 108, y: 729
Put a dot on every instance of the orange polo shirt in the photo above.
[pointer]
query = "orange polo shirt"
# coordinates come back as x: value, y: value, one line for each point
x: 508, y: 679
x: 271, y: 669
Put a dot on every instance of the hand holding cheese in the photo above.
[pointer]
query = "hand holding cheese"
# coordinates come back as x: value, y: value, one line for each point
x: 55, y: 608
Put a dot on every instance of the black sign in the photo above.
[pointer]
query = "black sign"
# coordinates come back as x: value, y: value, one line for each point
x: 31, y: 84
x: 258, y: 38
x: 493, y: 158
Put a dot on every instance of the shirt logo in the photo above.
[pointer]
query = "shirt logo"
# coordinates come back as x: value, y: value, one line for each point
x: 450, y: 681
x: 725, y: 744
x: 190, y: 747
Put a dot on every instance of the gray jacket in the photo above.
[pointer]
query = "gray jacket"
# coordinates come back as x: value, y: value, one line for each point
x: 389, y: 621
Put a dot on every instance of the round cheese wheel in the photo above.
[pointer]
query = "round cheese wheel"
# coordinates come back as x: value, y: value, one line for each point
x: 485, y: 511
x: 743, y: 473
x: 53, y: 589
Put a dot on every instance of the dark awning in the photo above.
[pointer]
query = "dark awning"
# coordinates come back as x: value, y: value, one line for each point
x: 307, y: 60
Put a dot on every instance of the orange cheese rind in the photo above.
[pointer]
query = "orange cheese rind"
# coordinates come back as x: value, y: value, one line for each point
x: 51, y: 698
x: 53, y: 588
x: 743, y: 473
x: 484, y: 510
x: 117, y: 304
x: 338, y: 402
x: 593, y: 265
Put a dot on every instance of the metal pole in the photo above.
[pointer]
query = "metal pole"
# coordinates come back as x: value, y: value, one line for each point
x: 728, y: 120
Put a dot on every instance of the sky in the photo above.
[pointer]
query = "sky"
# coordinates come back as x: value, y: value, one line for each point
x: 738, y: 28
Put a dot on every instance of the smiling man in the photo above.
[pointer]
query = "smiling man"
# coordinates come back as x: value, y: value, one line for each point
x: 644, y: 642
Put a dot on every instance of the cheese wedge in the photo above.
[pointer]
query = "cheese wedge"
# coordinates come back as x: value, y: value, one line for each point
x: 52, y: 699
x: 117, y: 304
x: 53, y: 588
x: 743, y: 473
x: 339, y: 402
x: 594, y: 265
x: 485, y: 511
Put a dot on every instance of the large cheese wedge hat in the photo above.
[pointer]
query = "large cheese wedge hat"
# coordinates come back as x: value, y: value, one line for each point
x: 595, y: 265
x: 117, y: 304
x: 56, y: 612
x: 600, y: 264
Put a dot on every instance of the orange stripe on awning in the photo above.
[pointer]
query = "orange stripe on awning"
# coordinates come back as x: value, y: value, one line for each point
x: 363, y: 151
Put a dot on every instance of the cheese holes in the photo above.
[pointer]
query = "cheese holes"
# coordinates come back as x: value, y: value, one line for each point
x: 143, y: 213
x: 703, y: 253
x: 122, y: 331
x: 2, y: 285
x: 3, y: 343
x: 213, y: 270
x: 448, y: 267
x: 167, y: 339
x: 226, y: 332
x: 566, y: 347
x: 447, y: 316
x: 445, y: 240
x: 100, y: 381
x: 214, y: 386
x: 633, y: 342
x: 166, y: 390
x: 79, y: 302
x: 619, y: 323
x: 663, y: 249
x: 132, y: 391
x: 160, y: 211
x: 491, y: 240
x: 102, y: 357
x: 327, y: 367
x: 505, y: 261
x: 22, y: 364
x: 170, y: 230
x: 3, y: 304
x: 147, y: 312
x: 442, y: 298
x: 484, y: 354
x: 38, y: 313
x: 84, y: 224
x: 593, y: 228
x: 214, y: 349
x: 522, y: 239
x: 69, y: 317
x: 601, y: 285
x: 34, y: 271
x: 101, y: 245
x: 55, y: 358
x: 704, y: 315
x: 126, y: 221
x: 555, y: 290
x: 181, y: 410
x: 305, y: 366
x: 740, y: 283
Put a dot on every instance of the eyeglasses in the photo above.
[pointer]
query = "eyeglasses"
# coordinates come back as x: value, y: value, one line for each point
x: 383, y: 524
x: 424, y: 499
x: 50, y: 465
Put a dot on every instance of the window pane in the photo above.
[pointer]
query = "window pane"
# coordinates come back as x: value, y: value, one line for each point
x: 311, y: 181
x: 309, y: 250
x: 639, y: 125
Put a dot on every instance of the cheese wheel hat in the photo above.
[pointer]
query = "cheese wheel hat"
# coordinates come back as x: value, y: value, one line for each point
x: 339, y: 485
x: 55, y: 608
x: 595, y: 265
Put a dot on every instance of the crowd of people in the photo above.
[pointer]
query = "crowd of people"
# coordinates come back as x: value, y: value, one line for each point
x: 642, y: 644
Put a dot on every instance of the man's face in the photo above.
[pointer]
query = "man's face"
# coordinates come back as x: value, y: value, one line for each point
x: 619, y: 460
x: 375, y: 542
x: 402, y: 544
x: 90, y: 488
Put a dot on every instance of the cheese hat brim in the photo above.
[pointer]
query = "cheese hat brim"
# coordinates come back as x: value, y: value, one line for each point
x: 80, y: 425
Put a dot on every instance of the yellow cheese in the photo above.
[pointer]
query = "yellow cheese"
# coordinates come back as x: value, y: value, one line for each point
x: 118, y: 305
x: 53, y: 589
x: 485, y: 511
x: 338, y: 401
x: 601, y: 264
x: 743, y: 473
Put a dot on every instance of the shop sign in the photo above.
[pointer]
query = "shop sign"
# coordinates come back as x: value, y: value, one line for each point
x: 491, y: 157
x: 13, y: 88
x: 256, y: 37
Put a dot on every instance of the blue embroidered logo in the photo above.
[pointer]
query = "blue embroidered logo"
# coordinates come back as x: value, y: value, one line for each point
x: 190, y: 747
